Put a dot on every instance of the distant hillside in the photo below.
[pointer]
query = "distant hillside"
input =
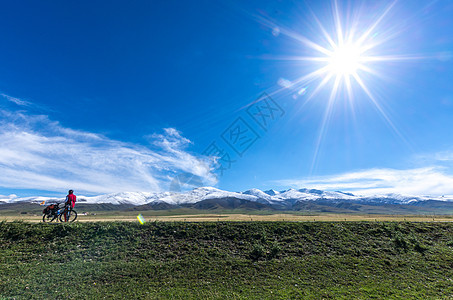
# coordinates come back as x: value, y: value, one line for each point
x: 233, y: 204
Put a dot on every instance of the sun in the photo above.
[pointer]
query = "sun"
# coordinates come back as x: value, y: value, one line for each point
x: 345, y: 60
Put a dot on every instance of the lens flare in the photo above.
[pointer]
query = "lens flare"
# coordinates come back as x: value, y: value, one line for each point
x: 141, y: 219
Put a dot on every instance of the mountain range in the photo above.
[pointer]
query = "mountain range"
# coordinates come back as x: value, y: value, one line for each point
x: 292, y: 199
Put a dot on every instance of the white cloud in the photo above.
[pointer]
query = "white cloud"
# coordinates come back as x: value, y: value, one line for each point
x: 433, y: 181
x: 442, y: 157
x: 445, y: 156
x: 36, y: 153
x: 15, y: 100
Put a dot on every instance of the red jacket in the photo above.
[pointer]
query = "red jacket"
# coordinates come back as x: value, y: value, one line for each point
x: 71, y: 198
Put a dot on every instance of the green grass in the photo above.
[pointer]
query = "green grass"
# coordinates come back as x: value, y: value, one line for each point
x: 250, y: 260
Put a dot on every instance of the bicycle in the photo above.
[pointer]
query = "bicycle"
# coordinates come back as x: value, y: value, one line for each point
x: 70, y: 213
x: 53, y: 212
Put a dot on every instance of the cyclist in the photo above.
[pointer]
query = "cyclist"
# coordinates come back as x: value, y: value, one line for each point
x: 69, y: 204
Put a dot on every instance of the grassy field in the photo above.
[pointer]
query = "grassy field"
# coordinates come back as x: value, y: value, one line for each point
x: 30, y: 212
x: 218, y: 260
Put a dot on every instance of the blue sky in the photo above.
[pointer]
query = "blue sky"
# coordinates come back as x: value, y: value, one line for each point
x: 107, y: 96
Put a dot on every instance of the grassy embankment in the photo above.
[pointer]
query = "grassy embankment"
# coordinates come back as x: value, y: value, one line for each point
x: 310, y: 260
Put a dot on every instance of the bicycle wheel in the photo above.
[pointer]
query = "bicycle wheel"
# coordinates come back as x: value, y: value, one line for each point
x: 72, y: 216
x: 49, y: 218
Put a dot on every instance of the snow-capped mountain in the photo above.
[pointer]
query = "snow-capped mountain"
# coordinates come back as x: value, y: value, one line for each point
x: 276, y: 199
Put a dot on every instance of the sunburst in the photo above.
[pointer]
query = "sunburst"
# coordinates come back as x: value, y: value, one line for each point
x: 341, y: 60
x: 344, y: 55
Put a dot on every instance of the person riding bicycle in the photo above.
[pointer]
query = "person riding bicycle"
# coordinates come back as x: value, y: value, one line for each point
x: 69, y: 204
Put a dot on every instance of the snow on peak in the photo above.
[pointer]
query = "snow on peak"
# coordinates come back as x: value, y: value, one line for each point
x: 272, y: 192
x: 258, y: 193
x: 205, y: 193
x: 38, y: 199
x: 134, y: 198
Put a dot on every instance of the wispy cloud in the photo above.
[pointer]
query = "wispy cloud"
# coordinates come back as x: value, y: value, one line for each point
x: 444, y: 156
x: 433, y: 181
x: 15, y: 100
x: 37, y: 153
